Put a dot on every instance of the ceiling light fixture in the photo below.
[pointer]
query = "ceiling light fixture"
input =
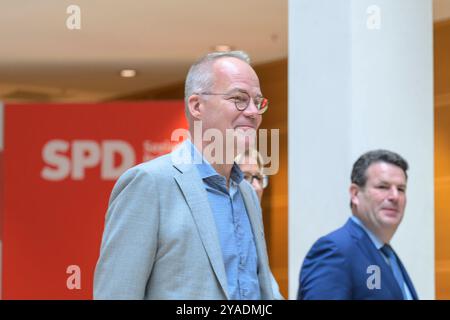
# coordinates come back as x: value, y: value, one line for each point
x: 128, y: 73
x: 222, y: 48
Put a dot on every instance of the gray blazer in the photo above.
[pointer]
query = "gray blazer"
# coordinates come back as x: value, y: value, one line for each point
x: 160, y: 239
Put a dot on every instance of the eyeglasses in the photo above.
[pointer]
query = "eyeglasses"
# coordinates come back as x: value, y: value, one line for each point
x: 263, y: 180
x: 241, y: 100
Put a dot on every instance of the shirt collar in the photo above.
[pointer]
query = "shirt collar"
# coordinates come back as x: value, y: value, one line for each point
x: 375, y: 240
x: 206, y: 170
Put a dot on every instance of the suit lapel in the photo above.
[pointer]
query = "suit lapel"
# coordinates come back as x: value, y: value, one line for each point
x: 374, y: 256
x: 194, y: 192
x: 258, y: 233
x: 408, y: 281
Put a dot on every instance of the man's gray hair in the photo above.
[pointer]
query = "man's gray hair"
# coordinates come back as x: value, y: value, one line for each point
x: 200, y: 76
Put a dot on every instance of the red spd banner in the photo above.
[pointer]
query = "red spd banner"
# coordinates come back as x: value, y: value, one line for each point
x: 60, y: 163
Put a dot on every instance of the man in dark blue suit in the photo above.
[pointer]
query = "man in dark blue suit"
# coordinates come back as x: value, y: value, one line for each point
x: 356, y: 261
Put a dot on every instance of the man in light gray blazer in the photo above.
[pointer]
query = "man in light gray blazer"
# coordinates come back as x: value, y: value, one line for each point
x: 186, y: 225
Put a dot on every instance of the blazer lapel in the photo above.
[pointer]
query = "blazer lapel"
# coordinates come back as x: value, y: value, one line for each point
x: 373, y: 255
x: 407, y: 279
x: 258, y: 233
x: 194, y: 192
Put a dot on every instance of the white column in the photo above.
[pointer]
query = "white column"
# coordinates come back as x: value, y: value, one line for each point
x: 360, y: 78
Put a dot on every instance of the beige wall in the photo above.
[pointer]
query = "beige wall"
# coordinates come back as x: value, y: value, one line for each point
x: 273, y: 78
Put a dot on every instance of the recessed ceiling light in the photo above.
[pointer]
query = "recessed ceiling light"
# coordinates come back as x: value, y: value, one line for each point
x: 128, y: 73
x: 222, y: 48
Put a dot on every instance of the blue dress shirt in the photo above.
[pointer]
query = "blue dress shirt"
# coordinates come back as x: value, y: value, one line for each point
x: 234, y: 229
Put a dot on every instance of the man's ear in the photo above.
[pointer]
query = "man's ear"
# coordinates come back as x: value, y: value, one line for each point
x: 354, y: 190
x: 194, y: 104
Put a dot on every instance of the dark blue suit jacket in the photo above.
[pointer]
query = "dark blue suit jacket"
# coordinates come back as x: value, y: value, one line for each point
x: 337, y: 267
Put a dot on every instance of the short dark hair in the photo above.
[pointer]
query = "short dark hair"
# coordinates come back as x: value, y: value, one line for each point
x: 359, y: 170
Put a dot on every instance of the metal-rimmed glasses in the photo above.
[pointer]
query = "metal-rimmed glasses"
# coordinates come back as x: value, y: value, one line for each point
x: 242, y: 99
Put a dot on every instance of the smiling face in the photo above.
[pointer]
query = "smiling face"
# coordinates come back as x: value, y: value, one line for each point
x: 232, y: 79
x: 381, y: 202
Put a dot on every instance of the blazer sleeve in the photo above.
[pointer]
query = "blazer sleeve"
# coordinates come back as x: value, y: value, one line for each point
x: 275, y: 288
x: 325, y: 274
x: 129, y: 240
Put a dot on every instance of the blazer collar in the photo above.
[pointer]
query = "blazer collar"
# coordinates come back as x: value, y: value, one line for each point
x: 258, y: 233
x: 367, y: 247
x: 191, y: 185
x: 359, y: 234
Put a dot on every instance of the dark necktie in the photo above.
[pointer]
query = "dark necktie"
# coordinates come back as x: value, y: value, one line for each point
x: 389, y: 253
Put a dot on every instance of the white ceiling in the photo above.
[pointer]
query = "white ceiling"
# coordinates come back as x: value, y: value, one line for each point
x: 41, y: 59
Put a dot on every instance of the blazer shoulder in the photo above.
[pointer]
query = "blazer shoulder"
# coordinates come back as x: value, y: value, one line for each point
x: 144, y: 176
x: 326, y: 269
x: 340, y: 238
x: 155, y: 166
x: 336, y: 245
